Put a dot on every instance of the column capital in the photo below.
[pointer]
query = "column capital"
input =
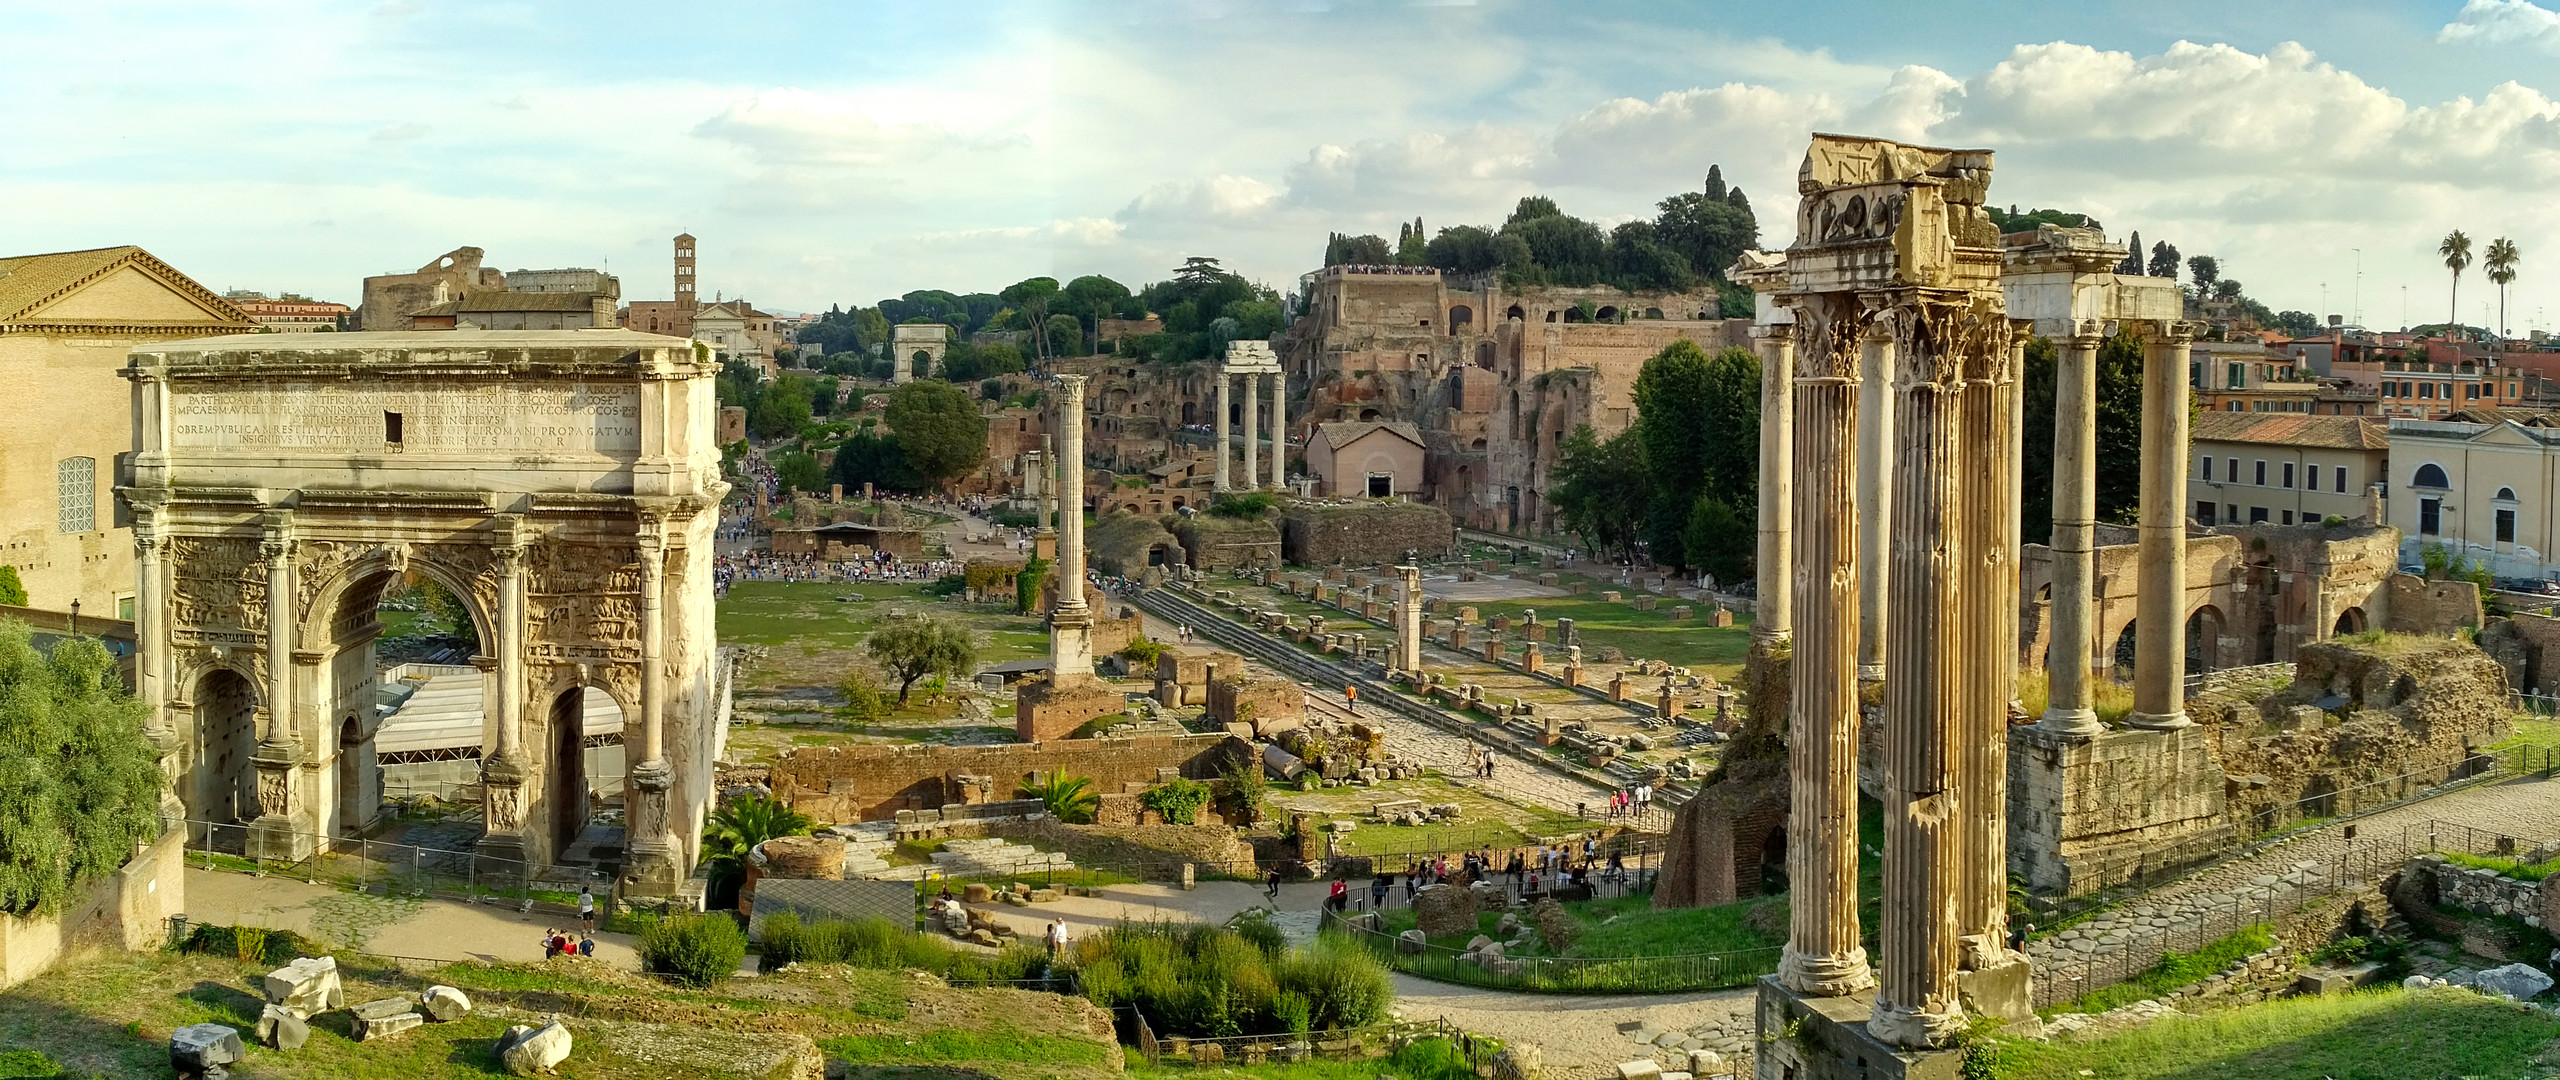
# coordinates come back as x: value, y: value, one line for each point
x: 1071, y: 383
x: 1774, y: 332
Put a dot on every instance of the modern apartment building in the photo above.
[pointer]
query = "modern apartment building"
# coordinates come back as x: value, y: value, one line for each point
x: 2252, y: 468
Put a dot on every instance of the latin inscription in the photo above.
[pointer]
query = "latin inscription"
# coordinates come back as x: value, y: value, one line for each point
x: 575, y: 417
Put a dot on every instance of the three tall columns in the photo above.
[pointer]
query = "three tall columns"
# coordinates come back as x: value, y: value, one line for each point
x: 1253, y: 475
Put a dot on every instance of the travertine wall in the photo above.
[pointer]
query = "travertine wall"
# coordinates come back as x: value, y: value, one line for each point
x: 2254, y: 593
x: 2085, y: 815
x: 128, y: 909
x: 872, y: 783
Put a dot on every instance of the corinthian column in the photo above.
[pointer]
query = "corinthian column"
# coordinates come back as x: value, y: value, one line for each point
x: 1989, y: 593
x: 1409, y: 620
x: 653, y: 842
x: 1928, y: 712
x: 1252, y: 418
x: 2160, y: 613
x: 1772, y: 616
x: 1875, y: 498
x: 1226, y: 401
x: 277, y: 549
x: 2075, y: 520
x: 1071, y: 622
x: 1280, y: 431
x: 1823, y: 955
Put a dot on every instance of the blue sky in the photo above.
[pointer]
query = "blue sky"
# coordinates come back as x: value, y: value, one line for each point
x: 842, y: 152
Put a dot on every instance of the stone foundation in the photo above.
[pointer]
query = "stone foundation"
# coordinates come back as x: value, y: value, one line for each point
x: 1054, y: 709
x: 873, y: 783
x: 1829, y: 1041
x: 2121, y: 807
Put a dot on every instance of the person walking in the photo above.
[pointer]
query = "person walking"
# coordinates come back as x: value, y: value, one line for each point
x: 587, y: 908
x: 1351, y: 696
x: 1271, y: 884
x: 1057, y: 938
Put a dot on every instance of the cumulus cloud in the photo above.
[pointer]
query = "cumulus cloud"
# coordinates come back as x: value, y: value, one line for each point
x: 2502, y: 22
x: 799, y: 127
x: 1667, y: 143
x: 1422, y: 166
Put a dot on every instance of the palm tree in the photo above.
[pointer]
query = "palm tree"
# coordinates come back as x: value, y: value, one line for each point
x: 1070, y: 799
x: 2456, y: 250
x: 736, y: 829
x: 2500, y: 265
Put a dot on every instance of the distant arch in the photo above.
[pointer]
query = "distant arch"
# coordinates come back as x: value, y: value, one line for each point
x: 2204, y: 638
x: 1484, y: 355
x: 2124, y: 653
x: 2506, y: 494
x: 1515, y: 314
x: 1476, y: 445
x: 1460, y: 315
x: 1572, y: 314
x: 2350, y: 621
x: 1608, y: 313
x: 2431, y: 475
x: 1368, y: 415
x: 921, y: 364
x: 1190, y: 410
x: 1653, y: 313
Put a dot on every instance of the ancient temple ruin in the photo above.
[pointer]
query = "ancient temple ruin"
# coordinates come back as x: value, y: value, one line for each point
x: 1903, y: 427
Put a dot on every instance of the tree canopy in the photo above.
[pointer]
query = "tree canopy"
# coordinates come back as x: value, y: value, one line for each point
x: 1684, y: 477
x: 937, y: 428
x: 914, y: 648
x: 80, y: 786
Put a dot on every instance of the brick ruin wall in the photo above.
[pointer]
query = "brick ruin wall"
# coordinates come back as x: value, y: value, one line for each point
x: 837, y: 784
x: 2361, y: 724
x: 1217, y: 543
x: 1363, y: 533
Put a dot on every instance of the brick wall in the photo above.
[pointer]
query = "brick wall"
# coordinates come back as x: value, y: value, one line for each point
x: 1363, y: 533
x: 873, y: 783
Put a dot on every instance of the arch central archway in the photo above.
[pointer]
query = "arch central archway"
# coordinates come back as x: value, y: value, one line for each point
x: 225, y: 786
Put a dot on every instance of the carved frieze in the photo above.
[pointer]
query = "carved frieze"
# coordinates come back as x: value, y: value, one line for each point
x: 217, y: 583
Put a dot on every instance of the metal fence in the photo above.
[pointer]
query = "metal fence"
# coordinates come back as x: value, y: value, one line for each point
x: 391, y: 868
x: 2367, y: 861
x: 1561, y: 974
x: 1345, y: 1044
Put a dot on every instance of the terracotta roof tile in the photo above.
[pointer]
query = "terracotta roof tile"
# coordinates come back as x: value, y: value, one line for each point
x: 2293, y: 429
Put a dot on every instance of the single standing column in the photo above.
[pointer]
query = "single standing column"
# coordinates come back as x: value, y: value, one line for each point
x: 1771, y: 619
x: 277, y: 548
x: 653, y: 841
x: 2075, y: 520
x: 1823, y: 955
x: 1226, y: 453
x: 1927, y: 707
x: 1875, y: 497
x: 1279, y: 431
x: 1252, y: 420
x: 1409, y: 620
x: 1989, y: 594
x: 511, y: 654
x: 1070, y: 622
x: 2160, y: 615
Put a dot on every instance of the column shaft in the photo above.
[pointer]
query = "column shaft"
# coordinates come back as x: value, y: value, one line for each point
x: 1070, y: 622
x: 1823, y: 955
x: 1409, y: 620
x: 1280, y: 432
x: 1989, y: 592
x: 653, y: 650
x: 2075, y: 517
x: 1874, y: 499
x: 278, y: 549
x: 1226, y: 453
x: 1927, y: 711
x: 1772, y: 618
x: 1252, y: 422
x: 510, y: 650
x: 2160, y: 613
x: 148, y: 638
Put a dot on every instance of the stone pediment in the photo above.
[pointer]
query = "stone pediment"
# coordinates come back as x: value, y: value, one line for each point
x: 2506, y: 433
x: 109, y: 287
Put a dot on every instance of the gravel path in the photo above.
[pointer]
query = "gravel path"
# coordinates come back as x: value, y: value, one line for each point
x: 1578, y: 1036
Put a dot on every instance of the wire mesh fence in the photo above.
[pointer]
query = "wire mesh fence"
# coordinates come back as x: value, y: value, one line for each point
x: 1345, y: 1044
x: 391, y: 869
x: 1557, y: 974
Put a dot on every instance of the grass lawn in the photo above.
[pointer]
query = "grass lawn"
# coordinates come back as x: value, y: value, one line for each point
x: 1483, y: 821
x: 811, y: 639
x: 111, y: 1016
x: 1650, y: 635
x: 2173, y: 971
x: 2376, y: 1035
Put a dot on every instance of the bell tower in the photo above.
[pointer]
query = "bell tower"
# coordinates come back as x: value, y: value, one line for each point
x: 685, y: 299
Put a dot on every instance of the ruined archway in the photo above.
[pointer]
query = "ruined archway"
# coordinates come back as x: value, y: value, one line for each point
x: 1514, y: 314
x: 2204, y: 640
x: 1461, y: 317
x: 2123, y: 654
x: 2350, y: 621
x: 560, y: 485
x: 1484, y: 355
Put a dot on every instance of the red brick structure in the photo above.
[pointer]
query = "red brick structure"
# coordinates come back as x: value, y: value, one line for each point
x: 872, y: 783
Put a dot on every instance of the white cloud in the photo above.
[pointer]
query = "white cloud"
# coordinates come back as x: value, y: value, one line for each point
x: 2500, y: 22
x: 790, y: 126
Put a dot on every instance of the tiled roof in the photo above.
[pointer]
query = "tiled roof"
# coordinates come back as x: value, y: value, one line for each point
x: 1342, y: 434
x: 28, y: 282
x: 2292, y: 429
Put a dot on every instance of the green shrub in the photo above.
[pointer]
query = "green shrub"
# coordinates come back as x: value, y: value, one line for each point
x: 2174, y: 970
x: 1251, y: 504
x: 27, y: 1064
x: 1141, y: 652
x: 1195, y: 980
x: 1179, y: 800
x: 1256, y: 926
x: 1026, y: 585
x: 2520, y: 871
x: 1070, y: 799
x: 251, y: 943
x: 880, y: 944
x: 696, y: 950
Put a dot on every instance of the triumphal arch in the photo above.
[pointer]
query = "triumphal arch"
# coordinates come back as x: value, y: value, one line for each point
x: 563, y: 485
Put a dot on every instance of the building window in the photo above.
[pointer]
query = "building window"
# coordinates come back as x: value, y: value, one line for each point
x: 2342, y: 479
x: 2426, y: 391
x: 1381, y: 485
x: 2430, y: 475
x: 2390, y: 390
x: 2204, y: 513
x: 2506, y: 525
x: 2231, y: 471
x: 2428, y: 525
x: 2208, y: 468
x: 2262, y: 473
x: 2236, y: 377
x: 2288, y: 517
x: 391, y: 428
x: 124, y: 608
x: 2257, y: 515
x: 2288, y: 474
x: 2311, y: 478
x: 2231, y: 513
x: 76, y: 494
